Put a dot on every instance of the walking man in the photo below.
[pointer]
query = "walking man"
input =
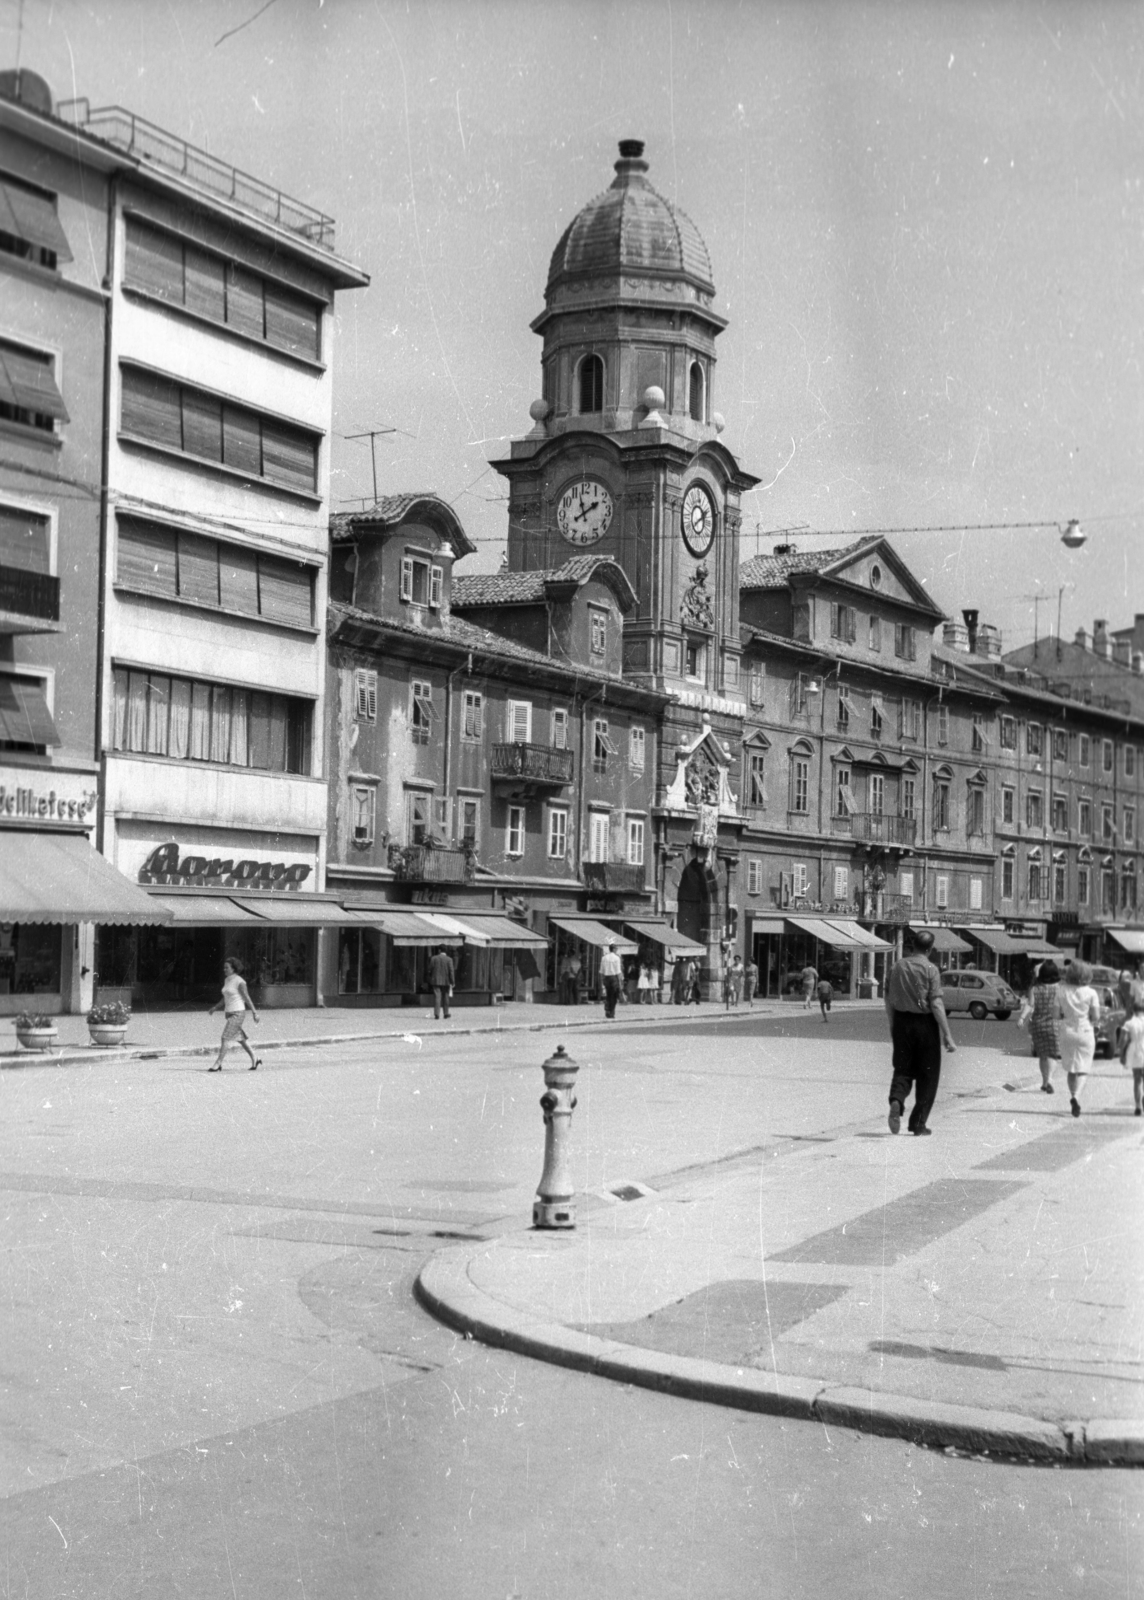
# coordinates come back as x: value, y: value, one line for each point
x: 441, y: 979
x: 919, y: 1028
x: 611, y: 975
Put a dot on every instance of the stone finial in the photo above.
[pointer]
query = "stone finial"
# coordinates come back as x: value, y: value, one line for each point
x: 539, y: 411
x: 653, y: 398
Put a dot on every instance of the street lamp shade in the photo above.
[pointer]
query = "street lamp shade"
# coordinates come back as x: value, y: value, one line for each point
x: 1073, y: 535
x: 813, y: 686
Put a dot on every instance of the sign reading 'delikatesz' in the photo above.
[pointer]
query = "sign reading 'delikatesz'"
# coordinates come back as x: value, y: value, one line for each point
x: 164, y: 865
x: 58, y: 806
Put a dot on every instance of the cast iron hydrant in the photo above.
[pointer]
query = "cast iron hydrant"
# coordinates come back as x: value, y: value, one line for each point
x: 555, y: 1204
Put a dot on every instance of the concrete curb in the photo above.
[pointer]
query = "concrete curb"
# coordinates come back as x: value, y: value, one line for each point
x: 90, y: 1053
x: 445, y: 1289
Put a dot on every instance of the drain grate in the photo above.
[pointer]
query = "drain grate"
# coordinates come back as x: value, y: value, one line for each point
x: 630, y: 1191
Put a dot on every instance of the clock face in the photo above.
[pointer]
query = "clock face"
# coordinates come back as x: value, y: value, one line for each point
x: 698, y: 520
x: 584, y: 513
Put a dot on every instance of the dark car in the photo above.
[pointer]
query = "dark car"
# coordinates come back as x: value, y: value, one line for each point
x: 1111, y: 1016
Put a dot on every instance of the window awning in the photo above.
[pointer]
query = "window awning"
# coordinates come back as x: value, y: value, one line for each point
x: 945, y: 940
x: 859, y: 935
x: 62, y: 879
x: 826, y: 933
x: 501, y: 933
x: 28, y: 383
x: 1130, y: 939
x: 661, y: 933
x: 204, y: 911
x: 32, y: 218
x: 24, y: 714
x: 405, y: 928
x: 299, y: 911
x: 1008, y: 944
x: 594, y: 933
x: 770, y: 925
x: 455, y: 927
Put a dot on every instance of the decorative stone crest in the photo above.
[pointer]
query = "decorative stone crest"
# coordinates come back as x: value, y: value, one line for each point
x: 707, y: 827
x: 695, y: 608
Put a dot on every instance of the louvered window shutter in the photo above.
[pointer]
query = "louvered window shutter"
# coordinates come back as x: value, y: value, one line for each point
x: 154, y: 261
x: 147, y: 557
x: 285, y: 591
x: 289, y: 456
x: 436, y: 579
x: 407, y: 577
x: 292, y: 323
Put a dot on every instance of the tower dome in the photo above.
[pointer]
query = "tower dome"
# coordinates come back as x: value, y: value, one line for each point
x: 631, y: 228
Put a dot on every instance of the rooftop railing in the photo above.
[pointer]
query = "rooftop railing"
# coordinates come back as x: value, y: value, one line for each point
x: 141, y: 138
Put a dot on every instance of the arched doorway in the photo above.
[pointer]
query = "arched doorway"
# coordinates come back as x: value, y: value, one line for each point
x: 694, y: 915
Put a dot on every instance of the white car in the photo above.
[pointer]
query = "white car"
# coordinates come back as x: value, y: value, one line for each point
x: 979, y: 993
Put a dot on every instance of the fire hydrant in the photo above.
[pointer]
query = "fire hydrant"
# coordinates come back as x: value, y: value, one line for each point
x: 555, y: 1204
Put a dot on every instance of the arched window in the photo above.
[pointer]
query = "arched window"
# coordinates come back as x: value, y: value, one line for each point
x: 591, y: 384
x: 696, y: 407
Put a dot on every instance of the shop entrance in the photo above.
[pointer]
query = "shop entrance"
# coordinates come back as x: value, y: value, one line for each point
x: 693, y: 919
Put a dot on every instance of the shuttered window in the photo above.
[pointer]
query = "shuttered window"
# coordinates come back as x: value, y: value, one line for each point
x: 25, y: 540
x: 189, y: 566
x: 194, y: 721
x: 28, y: 392
x: 197, y: 424
x: 30, y: 224
x: 172, y: 269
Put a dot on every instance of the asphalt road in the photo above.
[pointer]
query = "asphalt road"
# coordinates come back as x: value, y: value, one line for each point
x: 216, y: 1381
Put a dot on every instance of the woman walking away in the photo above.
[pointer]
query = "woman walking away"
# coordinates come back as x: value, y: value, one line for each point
x: 1079, y: 1010
x: 1132, y: 1050
x: 1043, y: 1021
x: 234, y: 1005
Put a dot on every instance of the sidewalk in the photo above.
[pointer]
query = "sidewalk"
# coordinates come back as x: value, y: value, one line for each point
x: 154, y: 1034
x: 978, y: 1290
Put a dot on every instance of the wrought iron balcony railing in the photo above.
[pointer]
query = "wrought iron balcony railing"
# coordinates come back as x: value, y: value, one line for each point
x: 896, y: 908
x: 875, y: 829
x: 535, y: 763
x: 30, y: 594
x: 430, y: 863
x: 613, y: 877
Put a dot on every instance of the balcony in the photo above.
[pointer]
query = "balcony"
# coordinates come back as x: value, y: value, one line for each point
x: 430, y: 863
x: 872, y: 828
x: 29, y: 601
x: 536, y: 765
x: 613, y: 877
x: 896, y: 908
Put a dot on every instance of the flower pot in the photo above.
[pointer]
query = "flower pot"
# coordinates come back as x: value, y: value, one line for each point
x: 39, y: 1039
x: 107, y: 1034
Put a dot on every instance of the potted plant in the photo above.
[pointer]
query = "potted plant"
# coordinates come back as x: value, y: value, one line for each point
x: 36, y: 1031
x: 107, y: 1023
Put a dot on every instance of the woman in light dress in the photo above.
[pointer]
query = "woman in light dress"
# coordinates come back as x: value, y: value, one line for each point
x: 643, y: 985
x: 1078, y: 1010
x: 234, y: 1005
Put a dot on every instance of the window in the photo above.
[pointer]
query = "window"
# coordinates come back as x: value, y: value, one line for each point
x: 1107, y: 890
x: 1107, y: 824
x: 1060, y: 745
x: 1060, y: 813
x: 420, y: 710
x: 877, y: 717
x: 906, y: 886
x: 30, y: 225
x: 843, y: 622
x: 514, y: 834
x: 1006, y: 877
x: 602, y: 746
x: 756, y: 680
x: 25, y: 719
x: 754, y: 875
x: 843, y: 794
x: 843, y: 708
x: 365, y: 695
x: 187, y: 719
x: 1033, y: 883
x: 841, y: 883
x: 975, y: 894
x: 518, y: 722
x: 1008, y: 805
x: 469, y: 816
x: 1034, y: 809
x: 941, y: 890
x: 1084, y: 818
x: 695, y: 659
x: 905, y: 642
x: 800, y: 881
x: 1128, y: 832
x: 417, y: 805
x: 800, y: 785
x: 1059, y: 883
x: 28, y: 394
x: 472, y: 716
x: 1083, y: 749
x: 978, y: 740
x: 908, y: 800
x: 756, y: 779
x: 362, y: 810
x: 168, y: 268
x: 875, y: 633
x: 442, y: 817
x: 943, y: 724
x: 557, y: 834
x: 941, y: 803
x: 635, y: 841
x: 156, y: 410
x: 910, y: 722
x: 598, y: 631
x: 696, y: 409
x: 25, y: 541
x: 1107, y: 756
x: 1128, y: 887
x: 591, y: 396
x: 421, y: 582
x: 1129, y: 760
x: 876, y: 794
x: 975, y: 809
x: 599, y: 829
x: 176, y: 564
x: 1034, y: 739
x: 1082, y: 885
x: 637, y: 744
x: 1007, y: 737
x: 560, y: 730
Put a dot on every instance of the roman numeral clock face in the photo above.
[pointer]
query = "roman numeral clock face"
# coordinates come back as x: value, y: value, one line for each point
x: 584, y: 512
x: 698, y: 520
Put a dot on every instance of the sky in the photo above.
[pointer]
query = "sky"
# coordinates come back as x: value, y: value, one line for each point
x: 925, y: 223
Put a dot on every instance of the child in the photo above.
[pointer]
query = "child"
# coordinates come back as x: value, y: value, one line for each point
x: 825, y: 996
x: 1131, y: 1043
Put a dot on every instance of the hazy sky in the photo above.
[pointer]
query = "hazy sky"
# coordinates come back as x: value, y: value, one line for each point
x: 925, y: 222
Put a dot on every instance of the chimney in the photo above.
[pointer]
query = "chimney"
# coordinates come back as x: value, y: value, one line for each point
x: 989, y: 641
x: 955, y: 636
x: 971, y: 629
x: 1081, y: 639
x: 1101, y: 643
x: 1122, y: 652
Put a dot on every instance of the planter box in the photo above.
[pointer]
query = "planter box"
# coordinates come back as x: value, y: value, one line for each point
x: 37, y: 1039
x: 107, y: 1034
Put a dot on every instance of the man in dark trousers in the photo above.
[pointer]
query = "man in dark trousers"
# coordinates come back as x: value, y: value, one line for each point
x: 612, y: 977
x: 918, y: 1027
x: 441, y: 978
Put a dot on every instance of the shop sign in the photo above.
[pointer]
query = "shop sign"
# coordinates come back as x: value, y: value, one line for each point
x: 54, y: 800
x: 429, y: 897
x: 606, y: 903
x: 1068, y: 936
x: 1064, y: 919
x: 1026, y: 930
x: 165, y: 865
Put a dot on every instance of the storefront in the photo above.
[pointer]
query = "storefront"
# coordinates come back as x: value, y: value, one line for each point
x: 1125, y: 946
x: 659, y: 947
x: 1012, y: 956
x: 839, y: 950
x: 949, y: 949
x: 384, y: 959
x: 585, y: 939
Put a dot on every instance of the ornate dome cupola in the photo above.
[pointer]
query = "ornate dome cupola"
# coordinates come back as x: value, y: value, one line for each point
x: 628, y: 310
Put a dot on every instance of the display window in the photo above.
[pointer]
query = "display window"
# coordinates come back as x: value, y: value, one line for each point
x: 30, y: 957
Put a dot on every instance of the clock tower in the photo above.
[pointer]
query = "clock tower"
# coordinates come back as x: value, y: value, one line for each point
x: 625, y: 459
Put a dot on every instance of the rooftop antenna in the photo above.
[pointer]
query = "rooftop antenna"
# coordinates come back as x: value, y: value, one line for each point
x: 373, y: 434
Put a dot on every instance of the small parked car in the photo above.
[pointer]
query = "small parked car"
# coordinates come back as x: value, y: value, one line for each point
x: 979, y: 993
x: 1111, y: 1016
